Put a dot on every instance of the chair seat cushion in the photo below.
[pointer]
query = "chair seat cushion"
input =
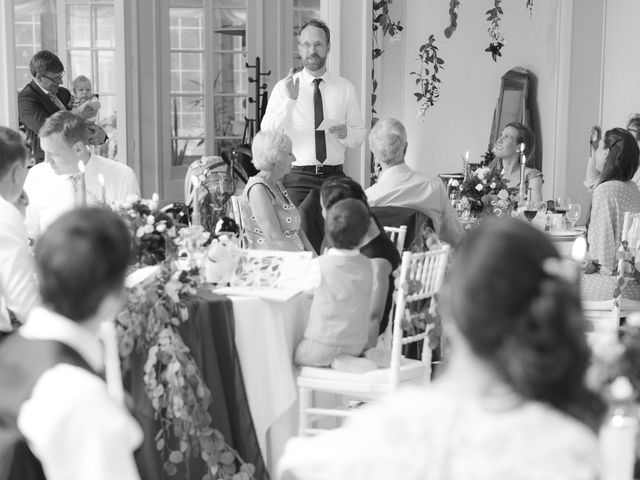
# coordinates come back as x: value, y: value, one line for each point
x: 409, y: 370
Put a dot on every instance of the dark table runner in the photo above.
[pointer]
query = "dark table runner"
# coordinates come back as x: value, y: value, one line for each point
x: 209, y: 333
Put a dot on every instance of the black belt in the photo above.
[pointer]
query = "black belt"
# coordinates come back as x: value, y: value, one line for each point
x: 317, y: 169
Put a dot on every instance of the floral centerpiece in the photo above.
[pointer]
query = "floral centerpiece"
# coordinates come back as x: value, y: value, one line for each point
x: 148, y: 326
x: 484, y: 190
x: 617, y: 355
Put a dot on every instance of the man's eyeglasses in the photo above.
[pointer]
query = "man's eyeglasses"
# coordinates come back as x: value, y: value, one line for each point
x: 315, y: 46
x: 54, y: 78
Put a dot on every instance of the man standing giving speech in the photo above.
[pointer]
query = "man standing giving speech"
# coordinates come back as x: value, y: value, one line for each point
x: 319, y: 111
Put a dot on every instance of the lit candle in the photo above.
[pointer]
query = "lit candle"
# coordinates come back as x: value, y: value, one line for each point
x: 523, y: 161
x: 195, y: 217
x: 155, y: 198
x: 112, y: 371
x: 83, y: 184
x: 103, y: 189
x: 466, y: 156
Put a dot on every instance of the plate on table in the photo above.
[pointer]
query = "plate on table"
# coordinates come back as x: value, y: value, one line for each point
x: 564, y: 234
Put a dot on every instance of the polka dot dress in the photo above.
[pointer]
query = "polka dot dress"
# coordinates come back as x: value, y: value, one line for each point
x: 285, y: 211
x: 609, y: 203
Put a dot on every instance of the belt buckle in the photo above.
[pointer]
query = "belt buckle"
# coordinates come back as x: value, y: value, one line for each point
x: 319, y: 169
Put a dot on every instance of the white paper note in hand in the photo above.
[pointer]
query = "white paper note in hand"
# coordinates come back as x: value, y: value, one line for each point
x: 327, y: 123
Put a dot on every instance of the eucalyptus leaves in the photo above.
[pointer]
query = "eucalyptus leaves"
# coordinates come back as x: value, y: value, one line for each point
x: 427, y: 80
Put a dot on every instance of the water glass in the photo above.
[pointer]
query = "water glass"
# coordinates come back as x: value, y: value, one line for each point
x: 574, y: 211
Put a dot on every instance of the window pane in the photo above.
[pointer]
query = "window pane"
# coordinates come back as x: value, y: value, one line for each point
x: 230, y: 3
x: 185, y: 3
x: 229, y: 115
x: 188, y: 113
x: 185, y: 18
x: 231, y: 73
x: 106, y: 70
x: 185, y: 151
x: 310, y: 4
x: 186, y: 72
x: 79, y: 64
x: 229, y: 26
x: 78, y: 31
x: 104, y: 26
x: 107, y: 112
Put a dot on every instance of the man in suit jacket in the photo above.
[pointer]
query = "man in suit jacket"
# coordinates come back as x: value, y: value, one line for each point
x: 44, y: 96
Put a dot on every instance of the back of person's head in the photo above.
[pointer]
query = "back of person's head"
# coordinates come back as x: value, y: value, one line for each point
x: 82, y: 258
x: 12, y: 149
x: 45, y: 61
x: 334, y: 189
x: 72, y: 127
x: 347, y: 223
x: 315, y: 22
x: 269, y: 148
x: 526, y: 136
x: 388, y: 141
x: 622, y: 160
x: 633, y: 125
x: 508, y: 298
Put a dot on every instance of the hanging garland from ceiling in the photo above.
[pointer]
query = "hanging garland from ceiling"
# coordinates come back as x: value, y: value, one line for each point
x: 427, y: 80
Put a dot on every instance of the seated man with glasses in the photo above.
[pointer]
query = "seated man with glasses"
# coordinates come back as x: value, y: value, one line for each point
x: 44, y: 96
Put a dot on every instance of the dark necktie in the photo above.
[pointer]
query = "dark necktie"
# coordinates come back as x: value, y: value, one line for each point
x: 321, y: 142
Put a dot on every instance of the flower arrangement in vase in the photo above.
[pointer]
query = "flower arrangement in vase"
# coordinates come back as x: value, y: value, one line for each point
x: 485, y: 191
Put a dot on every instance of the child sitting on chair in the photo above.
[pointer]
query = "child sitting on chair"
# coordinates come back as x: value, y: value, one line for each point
x: 339, y: 318
x: 83, y: 98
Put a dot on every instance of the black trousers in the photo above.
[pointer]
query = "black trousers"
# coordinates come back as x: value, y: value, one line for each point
x: 299, y: 184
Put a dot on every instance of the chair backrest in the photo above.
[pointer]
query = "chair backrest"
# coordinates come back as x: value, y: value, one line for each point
x: 628, y: 249
x: 237, y: 216
x: 396, y: 216
x: 397, y: 236
x: 421, y: 276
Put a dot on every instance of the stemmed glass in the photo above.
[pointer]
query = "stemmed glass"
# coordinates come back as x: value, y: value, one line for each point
x: 574, y: 211
x: 562, y: 204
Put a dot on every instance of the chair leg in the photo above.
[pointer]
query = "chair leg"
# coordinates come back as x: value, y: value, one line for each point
x: 304, y: 402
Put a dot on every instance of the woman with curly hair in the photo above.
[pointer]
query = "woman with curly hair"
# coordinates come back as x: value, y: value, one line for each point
x: 511, y: 401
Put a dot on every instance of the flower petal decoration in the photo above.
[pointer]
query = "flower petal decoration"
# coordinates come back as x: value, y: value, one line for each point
x: 494, y: 48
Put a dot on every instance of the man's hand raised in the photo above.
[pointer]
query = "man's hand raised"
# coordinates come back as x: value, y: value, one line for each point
x: 292, y: 85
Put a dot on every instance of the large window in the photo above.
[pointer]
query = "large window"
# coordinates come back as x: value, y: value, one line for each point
x: 90, y: 47
x: 208, y: 95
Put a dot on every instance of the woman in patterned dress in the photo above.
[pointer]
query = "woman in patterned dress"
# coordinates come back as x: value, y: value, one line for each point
x: 511, y: 402
x: 271, y: 220
x: 614, y: 195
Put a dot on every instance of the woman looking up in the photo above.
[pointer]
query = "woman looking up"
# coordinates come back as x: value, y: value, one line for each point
x: 507, y: 158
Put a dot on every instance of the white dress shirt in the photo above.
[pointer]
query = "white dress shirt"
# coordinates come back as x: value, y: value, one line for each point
x: 18, y: 288
x: 296, y: 117
x: 51, y: 195
x: 399, y: 186
x: 70, y: 422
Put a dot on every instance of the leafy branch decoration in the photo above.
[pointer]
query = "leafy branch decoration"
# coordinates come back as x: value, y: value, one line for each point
x: 494, y: 16
x: 453, y: 18
x: 427, y: 79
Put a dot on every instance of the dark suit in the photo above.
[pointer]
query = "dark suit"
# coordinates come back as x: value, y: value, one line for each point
x: 34, y: 107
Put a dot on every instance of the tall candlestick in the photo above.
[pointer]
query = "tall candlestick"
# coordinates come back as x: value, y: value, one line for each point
x: 83, y: 184
x: 112, y: 371
x: 523, y: 161
x: 195, y: 217
x: 103, y: 189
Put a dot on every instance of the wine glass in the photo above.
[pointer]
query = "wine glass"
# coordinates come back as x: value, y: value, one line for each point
x: 574, y: 210
x: 530, y: 210
x: 562, y: 203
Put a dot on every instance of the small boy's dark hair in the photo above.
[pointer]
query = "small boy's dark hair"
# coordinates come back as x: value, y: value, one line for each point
x: 347, y: 223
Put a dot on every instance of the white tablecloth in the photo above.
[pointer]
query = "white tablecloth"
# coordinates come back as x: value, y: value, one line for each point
x: 267, y: 333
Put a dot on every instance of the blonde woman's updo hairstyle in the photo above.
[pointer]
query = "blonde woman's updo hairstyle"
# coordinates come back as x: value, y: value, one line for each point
x: 521, y: 316
x: 269, y: 148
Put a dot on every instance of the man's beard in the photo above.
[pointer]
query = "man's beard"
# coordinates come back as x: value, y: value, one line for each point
x: 314, y: 62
